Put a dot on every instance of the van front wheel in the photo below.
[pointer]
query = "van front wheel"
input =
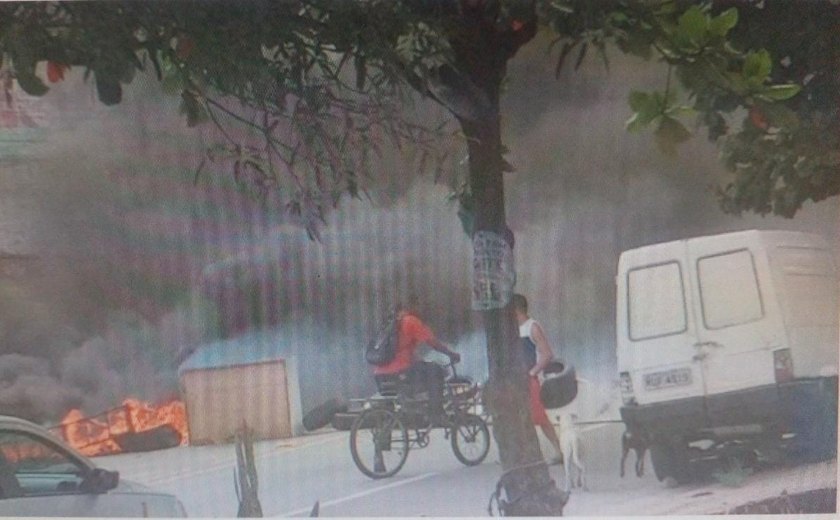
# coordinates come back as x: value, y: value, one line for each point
x: 670, y: 459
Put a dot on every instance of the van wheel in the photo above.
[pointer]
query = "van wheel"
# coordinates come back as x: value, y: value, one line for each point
x: 670, y: 459
x: 818, y: 439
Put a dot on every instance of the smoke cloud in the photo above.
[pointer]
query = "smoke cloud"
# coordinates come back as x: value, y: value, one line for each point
x: 131, y: 249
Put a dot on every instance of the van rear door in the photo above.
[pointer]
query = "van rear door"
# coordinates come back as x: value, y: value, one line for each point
x: 739, y: 323
x: 656, y: 328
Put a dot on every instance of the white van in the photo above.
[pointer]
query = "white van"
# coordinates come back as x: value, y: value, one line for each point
x: 725, y: 337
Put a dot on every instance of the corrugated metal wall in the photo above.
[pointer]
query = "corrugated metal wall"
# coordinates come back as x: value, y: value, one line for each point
x: 221, y: 400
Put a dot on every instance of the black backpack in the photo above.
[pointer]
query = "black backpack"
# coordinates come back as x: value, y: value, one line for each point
x: 383, y: 348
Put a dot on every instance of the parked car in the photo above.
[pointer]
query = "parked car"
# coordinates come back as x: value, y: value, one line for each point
x: 728, y: 339
x: 40, y: 475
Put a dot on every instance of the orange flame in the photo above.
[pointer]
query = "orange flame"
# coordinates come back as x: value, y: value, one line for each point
x: 95, y: 435
x: 20, y: 450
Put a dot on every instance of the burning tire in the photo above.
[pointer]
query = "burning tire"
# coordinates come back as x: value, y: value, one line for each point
x: 322, y: 415
x: 158, y: 438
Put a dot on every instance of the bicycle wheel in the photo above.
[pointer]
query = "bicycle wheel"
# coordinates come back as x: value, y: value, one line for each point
x: 470, y: 439
x: 379, y: 443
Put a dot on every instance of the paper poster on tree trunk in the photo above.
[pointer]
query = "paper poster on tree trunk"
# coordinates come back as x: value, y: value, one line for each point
x: 493, y: 271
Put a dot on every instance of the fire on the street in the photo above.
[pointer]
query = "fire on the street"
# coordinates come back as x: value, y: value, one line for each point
x: 102, y: 434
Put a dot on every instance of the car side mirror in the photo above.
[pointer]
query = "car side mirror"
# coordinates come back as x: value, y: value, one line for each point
x: 99, y: 481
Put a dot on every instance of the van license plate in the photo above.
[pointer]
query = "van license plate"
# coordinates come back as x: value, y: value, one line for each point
x: 676, y: 377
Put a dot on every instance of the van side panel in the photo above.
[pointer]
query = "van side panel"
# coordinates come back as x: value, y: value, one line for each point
x: 739, y: 322
x: 807, y: 283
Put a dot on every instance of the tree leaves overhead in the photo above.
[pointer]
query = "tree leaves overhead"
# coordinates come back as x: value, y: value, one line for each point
x: 740, y: 59
x: 756, y: 69
x: 314, y: 87
x: 272, y: 77
x: 658, y: 110
x: 785, y: 152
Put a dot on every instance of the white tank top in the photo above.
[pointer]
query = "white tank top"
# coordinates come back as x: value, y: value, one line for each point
x: 525, y: 329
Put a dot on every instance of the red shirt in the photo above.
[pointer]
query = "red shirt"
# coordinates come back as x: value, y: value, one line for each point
x: 412, y: 333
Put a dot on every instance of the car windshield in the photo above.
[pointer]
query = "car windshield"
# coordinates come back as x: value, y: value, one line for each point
x: 28, y: 454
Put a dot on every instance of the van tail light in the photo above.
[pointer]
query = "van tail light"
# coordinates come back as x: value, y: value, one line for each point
x: 626, y: 386
x: 783, y: 365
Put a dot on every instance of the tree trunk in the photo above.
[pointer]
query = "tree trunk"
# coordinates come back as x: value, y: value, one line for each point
x: 469, y: 87
x: 529, y: 489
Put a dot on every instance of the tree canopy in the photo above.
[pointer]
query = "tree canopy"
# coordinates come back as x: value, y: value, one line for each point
x: 317, y: 84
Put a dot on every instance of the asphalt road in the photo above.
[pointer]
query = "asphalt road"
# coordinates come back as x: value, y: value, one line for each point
x: 294, y: 474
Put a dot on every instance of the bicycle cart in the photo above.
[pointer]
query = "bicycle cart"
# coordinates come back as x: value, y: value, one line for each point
x: 393, y: 422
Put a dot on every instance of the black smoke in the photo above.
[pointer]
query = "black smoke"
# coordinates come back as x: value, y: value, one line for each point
x: 136, y: 249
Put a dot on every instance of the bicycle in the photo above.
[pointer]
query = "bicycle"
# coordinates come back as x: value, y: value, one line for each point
x: 393, y: 422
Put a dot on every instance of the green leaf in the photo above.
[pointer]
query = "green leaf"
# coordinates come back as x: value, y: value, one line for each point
x: 723, y: 23
x: 738, y: 83
x: 670, y: 134
x: 779, y: 116
x: 638, y: 100
x: 681, y: 111
x: 646, y: 107
x: 779, y: 92
x: 757, y: 67
x: 24, y: 66
x: 693, y: 26
x: 635, y: 124
x: 30, y: 83
x: 618, y: 17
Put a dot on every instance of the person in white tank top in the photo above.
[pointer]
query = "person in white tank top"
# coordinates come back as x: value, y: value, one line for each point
x: 537, y: 353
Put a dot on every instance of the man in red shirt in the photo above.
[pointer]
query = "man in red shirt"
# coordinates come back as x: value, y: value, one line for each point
x: 406, y: 367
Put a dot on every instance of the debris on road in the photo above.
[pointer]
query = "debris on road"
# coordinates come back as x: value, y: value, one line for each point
x: 246, y: 475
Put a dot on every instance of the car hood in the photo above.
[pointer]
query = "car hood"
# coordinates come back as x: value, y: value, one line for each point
x: 130, y: 486
x: 172, y: 506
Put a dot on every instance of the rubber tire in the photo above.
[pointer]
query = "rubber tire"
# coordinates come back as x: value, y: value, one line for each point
x: 818, y: 439
x: 343, y: 421
x: 322, y: 415
x: 670, y: 460
x: 158, y: 438
x: 483, y: 433
x: 660, y: 462
x: 363, y: 423
x: 560, y: 386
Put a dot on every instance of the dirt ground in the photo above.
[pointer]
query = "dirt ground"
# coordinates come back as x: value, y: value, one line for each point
x: 809, y: 502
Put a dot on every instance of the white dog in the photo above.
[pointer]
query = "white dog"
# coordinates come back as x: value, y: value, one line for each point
x: 570, y: 447
x: 591, y: 403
